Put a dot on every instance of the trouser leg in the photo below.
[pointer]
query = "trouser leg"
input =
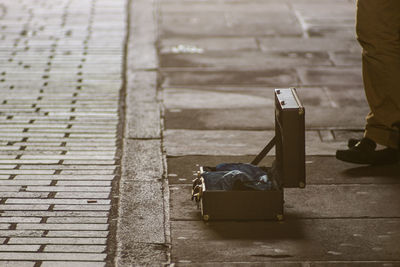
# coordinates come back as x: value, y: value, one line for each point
x: 378, y: 32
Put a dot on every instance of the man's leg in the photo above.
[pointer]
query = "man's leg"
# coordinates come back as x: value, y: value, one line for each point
x: 378, y: 32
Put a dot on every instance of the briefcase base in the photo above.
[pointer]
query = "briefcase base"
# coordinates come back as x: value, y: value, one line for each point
x: 240, y: 205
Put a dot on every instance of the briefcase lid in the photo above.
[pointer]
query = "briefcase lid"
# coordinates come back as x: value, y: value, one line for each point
x: 290, y: 138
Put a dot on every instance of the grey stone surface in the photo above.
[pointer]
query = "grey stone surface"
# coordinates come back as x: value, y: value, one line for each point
x: 198, y: 23
x: 141, y: 87
x: 141, y: 232
x: 142, y: 160
x: 315, y: 201
x: 142, y: 221
x: 218, y: 98
x: 144, y: 120
x: 230, y: 142
x: 142, y: 52
x: 231, y: 60
x: 268, y: 77
x: 297, y: 44
x: 142, y: 254
x: 319, y: 170
x: 259, y: 118
x: 203, y: 44
x: 292, y: 240
x: 330, y: 76
x: 253, y: 108
x: 320, y: 263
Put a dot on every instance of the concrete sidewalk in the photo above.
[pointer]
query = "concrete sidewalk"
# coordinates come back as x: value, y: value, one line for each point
x: 218, y: 63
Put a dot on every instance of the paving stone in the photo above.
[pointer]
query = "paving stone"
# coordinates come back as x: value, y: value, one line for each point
x: 69, y: 188
x: 304, y: 240
x: 296, y: 44
x: 292, y: 263
x: 23, y: 207
x: 221, y: 6
x: 82, y: 207
x: 141, y: 254
x: 220, y: 119
x: 227, y: 60
x: 253, y: 108
x: 25, y: 182
x: 143, y: 121
x: 56, y: 240
x: 86, y: 183
x: 23, y: 194
x: 28, y: 233
x: 29, y: 161
x: 79, y: 233
x: 233, y: 143
x: 60, y: 220
x: 23, y: 172
x: 72, y: 264
x: 367, y: 201
x: 141, y: 166
x: 194, y: 23
x: 74, y: 248
x: 52, y: 256
x: 218, y: 98
x: 90, y: 162
x: 181, y: 170
x: 88, y: 172
x: 142, y: 202
x: 82, y: 195
x: 141, y: 50
x: 331, y: 76
x: 59, y: 226
x: 199, y: 45
x: 30, y: 213
x: 18, y: 263
x: 7, y: 166
x: 19, y: 247
x: 10, y: 188
x: 69, y: 167
x: 267, y: 77
x: 70, y: 177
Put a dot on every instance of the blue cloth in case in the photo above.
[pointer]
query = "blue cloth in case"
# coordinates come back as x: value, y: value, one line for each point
x: 237, y: 176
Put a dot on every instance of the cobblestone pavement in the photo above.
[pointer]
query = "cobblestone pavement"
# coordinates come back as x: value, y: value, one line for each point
x: 60, y: 79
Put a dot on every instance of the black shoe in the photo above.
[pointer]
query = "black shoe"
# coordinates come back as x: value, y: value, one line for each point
x: 364, y: 153
x: 352, y: 142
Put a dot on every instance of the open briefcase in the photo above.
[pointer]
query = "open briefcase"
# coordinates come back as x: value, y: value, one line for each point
x: 288, y: 170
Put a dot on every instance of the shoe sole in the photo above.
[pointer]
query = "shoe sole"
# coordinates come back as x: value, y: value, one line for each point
x: 388, y: 159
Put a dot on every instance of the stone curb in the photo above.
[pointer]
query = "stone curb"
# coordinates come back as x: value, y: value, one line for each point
x: 143, y: 222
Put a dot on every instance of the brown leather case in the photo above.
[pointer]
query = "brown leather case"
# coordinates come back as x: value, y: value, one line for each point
x: 288, y: 170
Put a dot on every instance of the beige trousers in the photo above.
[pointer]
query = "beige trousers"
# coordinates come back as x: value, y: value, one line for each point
x: 378, y: 32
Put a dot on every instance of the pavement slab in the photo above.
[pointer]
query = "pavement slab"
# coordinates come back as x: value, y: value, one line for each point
x: 267, y: 77
x: 182, y: 169
x: 237, y: 142
x: 315, y: 201
x: 294, y: 240
x: 217, y: 108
